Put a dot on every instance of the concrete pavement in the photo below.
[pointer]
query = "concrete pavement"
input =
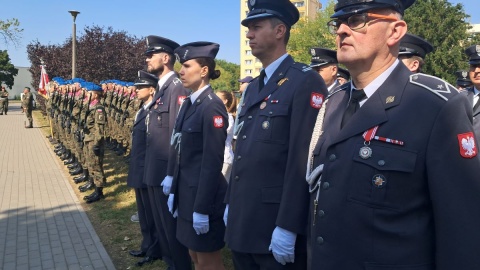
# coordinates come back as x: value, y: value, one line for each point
x: 42, y: 224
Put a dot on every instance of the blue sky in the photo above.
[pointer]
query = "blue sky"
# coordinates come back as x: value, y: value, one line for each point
x: 180, y: 20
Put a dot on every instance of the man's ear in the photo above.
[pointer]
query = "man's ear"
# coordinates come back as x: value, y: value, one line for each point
x: 398, y: 29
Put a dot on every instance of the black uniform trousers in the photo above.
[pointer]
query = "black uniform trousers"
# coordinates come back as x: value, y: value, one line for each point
x: 250, y: 261
x: 150, y: 244
x: 164, y: 221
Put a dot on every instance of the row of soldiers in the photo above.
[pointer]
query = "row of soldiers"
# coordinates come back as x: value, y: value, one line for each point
x: 81, y: 112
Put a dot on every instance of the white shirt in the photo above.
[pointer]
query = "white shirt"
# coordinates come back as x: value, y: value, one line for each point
x: 197, y: 93
x: 372, y: 87
x: 228, y: 156
x: 272, y: 67
x: 162, y: 80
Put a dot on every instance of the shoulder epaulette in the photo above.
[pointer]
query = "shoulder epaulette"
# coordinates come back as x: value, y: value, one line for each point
x: 302, y: 67
x: 433, y: 84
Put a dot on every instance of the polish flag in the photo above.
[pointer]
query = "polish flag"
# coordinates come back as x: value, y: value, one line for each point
x: 44, y: 80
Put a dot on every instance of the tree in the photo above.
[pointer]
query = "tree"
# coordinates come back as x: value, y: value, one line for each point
x: 445, y: 26
x: 311, y: 33
x: 106, y: 54
x: 10, y: 31
x: 7, y: 70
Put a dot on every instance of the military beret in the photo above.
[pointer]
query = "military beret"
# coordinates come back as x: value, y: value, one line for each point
x: 342, y: 72
x: 196, y: 50
x: 282, y: 9
x: 93, y: 87
x: 146, y: 79
x: 463, y: 78
x: 157, y: 44
x: 321, y: 57
x: 414, y: 45
x: 350, y: 7
x: 473, y: 53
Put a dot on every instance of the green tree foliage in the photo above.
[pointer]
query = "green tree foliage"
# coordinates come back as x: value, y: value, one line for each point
x: 311, y: 33
x: 445, y: 26
x: 228, y: 80
x: 10, y: 31
x: 7, y: 70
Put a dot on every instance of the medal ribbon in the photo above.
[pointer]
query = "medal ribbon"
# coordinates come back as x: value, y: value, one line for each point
x: 370, y: 135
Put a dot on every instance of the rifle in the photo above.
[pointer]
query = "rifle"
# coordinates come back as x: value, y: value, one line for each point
x: 119, y: 107
x: 64, y: 109
x: 70, y: 104
x: 126, y: 114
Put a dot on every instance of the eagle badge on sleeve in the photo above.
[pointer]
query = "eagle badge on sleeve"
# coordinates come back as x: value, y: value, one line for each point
x: 316, y: 100
x: 218, y: 121
x: 467, y: 144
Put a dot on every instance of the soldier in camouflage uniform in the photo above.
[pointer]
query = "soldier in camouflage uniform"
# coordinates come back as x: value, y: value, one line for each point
x: 94, y: 142
x: 3, y: 101
x: 27, y: 104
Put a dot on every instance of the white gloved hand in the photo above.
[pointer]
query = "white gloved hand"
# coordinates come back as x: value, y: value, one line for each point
x: 283, y: 245
x: 170, y: 205
x: 200, y: 223
x: 225, y: 215
x: 167, y: 184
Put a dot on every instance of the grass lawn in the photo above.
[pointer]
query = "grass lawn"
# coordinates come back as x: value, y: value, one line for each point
x: 111, y: 217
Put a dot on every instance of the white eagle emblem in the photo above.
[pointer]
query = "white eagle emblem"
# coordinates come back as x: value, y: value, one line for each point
x: 312, y: 51
x: 218, y: 121
x: 468, y: 144
x: 464, y: 74
x: 316, y: 101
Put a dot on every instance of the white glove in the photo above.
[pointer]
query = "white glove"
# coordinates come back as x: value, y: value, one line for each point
x: 170, y: 205
x: 283, y: 245
x: 200, y: 223
x: 225, y: 215
x: 167, y: 184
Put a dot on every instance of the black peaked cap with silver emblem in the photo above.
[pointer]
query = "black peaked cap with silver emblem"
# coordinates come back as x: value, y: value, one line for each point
x: 282, y: 9
x: 350, y: 7
x: 473, y: 53
x: 414, y: 45
x: 157, y: 44
x: 322, y: 56
x: 463, y: 78
x: 146, y: 79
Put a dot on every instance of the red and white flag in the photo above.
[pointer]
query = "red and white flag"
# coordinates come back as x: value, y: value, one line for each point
x: 44, y: 80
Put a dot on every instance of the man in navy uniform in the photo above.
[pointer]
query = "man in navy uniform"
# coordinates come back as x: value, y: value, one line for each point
x: 266, y: 198
x: 150, y: 247
x: 160, y: 158
x: 463, y: 80
x: 473, y: 92
x: 413, y: 50
x: 393, y: 163
x: 324, y: 61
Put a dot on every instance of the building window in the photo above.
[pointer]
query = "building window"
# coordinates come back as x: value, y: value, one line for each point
x: 257, y: 60
x: 248, y: 62
x: 248, y: 71
x: 247, y: 42
x: 299, y: 4
x: 248, y: 52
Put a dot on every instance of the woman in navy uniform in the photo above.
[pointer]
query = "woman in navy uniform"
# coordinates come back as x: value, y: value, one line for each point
x: 199, y: 137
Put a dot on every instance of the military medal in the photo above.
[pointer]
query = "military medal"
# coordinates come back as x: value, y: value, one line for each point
x: 263, y: 105
x: 365, y: 152
x: 265, y: 125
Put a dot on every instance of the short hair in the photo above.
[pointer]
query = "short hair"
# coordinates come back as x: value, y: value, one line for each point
x: 274, y: 21
x: 28, y: 88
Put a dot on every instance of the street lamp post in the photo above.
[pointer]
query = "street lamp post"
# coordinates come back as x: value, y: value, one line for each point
x: 74, y: 41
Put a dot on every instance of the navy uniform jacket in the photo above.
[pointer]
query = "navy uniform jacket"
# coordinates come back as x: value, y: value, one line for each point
x: 267, y: 186
x: 410, y: 206
x: 160, y: 122
x: 199, y: 185
x: 476, y: 114
x: 137, y: 154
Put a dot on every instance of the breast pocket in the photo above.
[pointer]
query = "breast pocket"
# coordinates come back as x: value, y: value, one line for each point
x: 160, y: 117
x: 192, y: 135
x: 273, y: 124
x: 381, y: 180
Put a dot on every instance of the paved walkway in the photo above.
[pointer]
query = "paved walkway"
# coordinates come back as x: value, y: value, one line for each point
x: 42, y: 224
